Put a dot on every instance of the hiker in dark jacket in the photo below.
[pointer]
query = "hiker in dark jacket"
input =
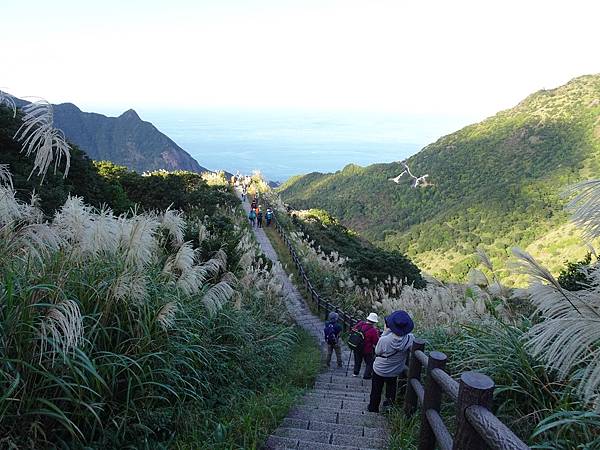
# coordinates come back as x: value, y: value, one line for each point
x: 332, y: 338
x: 371, y: 334
x: 390, y: 358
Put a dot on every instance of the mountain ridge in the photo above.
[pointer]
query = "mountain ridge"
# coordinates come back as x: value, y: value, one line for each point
x: 125, y: 140
x: 496, y: 183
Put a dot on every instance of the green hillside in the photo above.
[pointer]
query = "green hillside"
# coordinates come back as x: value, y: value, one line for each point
x: 496, y: 184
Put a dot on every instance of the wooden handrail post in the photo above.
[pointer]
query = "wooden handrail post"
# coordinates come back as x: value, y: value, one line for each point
x: 414, y: 371
x: 474, y: 389
x: 431, y: 400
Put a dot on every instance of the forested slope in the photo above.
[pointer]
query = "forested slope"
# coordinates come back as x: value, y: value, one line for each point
x: 495, y: 184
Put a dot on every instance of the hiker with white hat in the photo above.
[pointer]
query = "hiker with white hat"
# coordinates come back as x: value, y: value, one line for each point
x: 362, y: 341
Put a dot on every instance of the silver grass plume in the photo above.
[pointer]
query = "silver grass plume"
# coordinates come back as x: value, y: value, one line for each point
x: 193, y: 278
x: 585, y: 207
x: 131, y: 285
x: 182, y: 261
x: 40, y: 240
x: 566, y: 339
x: 166, y: 315
x: 527, y: 265
x: 138, y: 239
x: 101, y: 234
x: 217, y: 296
x: 568, y: 336
x: 10, y: 208
x: 9, y: 101
x: 61, y: 329
x: 174, y: 223
x: 5, y: 176
x: 39, y: 137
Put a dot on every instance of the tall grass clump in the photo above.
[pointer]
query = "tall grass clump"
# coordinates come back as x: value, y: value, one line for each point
x: 114, y: 326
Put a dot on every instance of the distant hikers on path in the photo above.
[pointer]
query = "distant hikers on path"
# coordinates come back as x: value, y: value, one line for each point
x: 256, y: 214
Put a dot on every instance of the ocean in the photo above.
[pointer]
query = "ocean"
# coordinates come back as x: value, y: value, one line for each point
x: 284, y: 143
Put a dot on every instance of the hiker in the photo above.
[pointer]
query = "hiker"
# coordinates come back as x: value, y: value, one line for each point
x: 269, y: 216
x: 254, y: 203
x: 390, y: 358
x: 364, y: 349
x: 259, y: 217
x: 332, y: 338
x: 244, y: 193
x: 252, y: 217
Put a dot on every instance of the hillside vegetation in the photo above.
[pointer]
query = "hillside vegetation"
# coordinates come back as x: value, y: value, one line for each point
x: 496, y: 184
x: 140, y: 326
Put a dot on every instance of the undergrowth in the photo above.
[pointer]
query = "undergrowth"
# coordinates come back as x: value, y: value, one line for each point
x: 247, y: 418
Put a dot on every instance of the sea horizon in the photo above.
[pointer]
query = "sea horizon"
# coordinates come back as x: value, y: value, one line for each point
x: 284, y: 143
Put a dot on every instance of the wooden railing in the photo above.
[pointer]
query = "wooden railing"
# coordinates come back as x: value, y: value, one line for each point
x: 348, y: 320
x: 477, y: 428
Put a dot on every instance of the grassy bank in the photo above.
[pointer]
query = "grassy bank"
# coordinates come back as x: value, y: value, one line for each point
x: 245, y: 420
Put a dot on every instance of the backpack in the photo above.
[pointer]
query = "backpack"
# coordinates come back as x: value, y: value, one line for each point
x: 330, y: 336
x: 356, y: 339
x: 252, y: 214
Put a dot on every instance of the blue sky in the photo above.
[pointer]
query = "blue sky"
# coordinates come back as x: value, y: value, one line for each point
x: 439, y: 57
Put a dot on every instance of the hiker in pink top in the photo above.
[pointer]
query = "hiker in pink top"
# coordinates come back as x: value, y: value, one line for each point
x: 366, y: 353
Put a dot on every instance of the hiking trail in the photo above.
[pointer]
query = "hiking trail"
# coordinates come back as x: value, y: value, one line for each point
x: 333, y: 414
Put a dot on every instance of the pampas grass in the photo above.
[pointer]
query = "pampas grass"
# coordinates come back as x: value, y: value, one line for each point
x: 41, y: 139
x: 5, y: 176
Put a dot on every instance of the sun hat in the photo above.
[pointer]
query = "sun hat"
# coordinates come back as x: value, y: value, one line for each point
x: 399, y: 322
x: 373, y: 317
x: 333, y: 316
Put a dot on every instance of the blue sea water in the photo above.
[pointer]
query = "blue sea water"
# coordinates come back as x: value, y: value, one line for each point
x: 285, y: 143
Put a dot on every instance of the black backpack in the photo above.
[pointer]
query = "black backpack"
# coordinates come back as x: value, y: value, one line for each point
x: 356, y: 339
x: 330, y: 336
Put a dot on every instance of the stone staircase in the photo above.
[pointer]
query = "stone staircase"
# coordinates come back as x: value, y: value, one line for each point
x: 333, y: 414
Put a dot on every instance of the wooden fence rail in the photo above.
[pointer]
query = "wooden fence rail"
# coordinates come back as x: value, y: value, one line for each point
x: 477, y: 428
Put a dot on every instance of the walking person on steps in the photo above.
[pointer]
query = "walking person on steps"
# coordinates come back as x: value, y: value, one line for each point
x: 259, y: 217
x: 364, y: 352
x: 252, y: 217
x: 390, y: 358
x: 332, y: 338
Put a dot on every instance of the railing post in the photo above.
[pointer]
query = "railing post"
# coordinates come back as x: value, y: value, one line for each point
x: 431, y: 400
x: 474, y: 389
x: 414, y: 371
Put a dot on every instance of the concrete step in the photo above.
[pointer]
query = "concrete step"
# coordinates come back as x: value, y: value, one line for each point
x: 355, y: 396
x: 304, y: 435
x: 342, y: 392
x: 340, y: 404
x: 280, y: 443
x: 363, y: 418
x: 355, y: 430
x: 348, y: 381
x: 342, y: 387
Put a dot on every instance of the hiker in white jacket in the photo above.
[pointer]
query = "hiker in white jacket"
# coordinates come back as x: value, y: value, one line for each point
x: 390, y: 357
